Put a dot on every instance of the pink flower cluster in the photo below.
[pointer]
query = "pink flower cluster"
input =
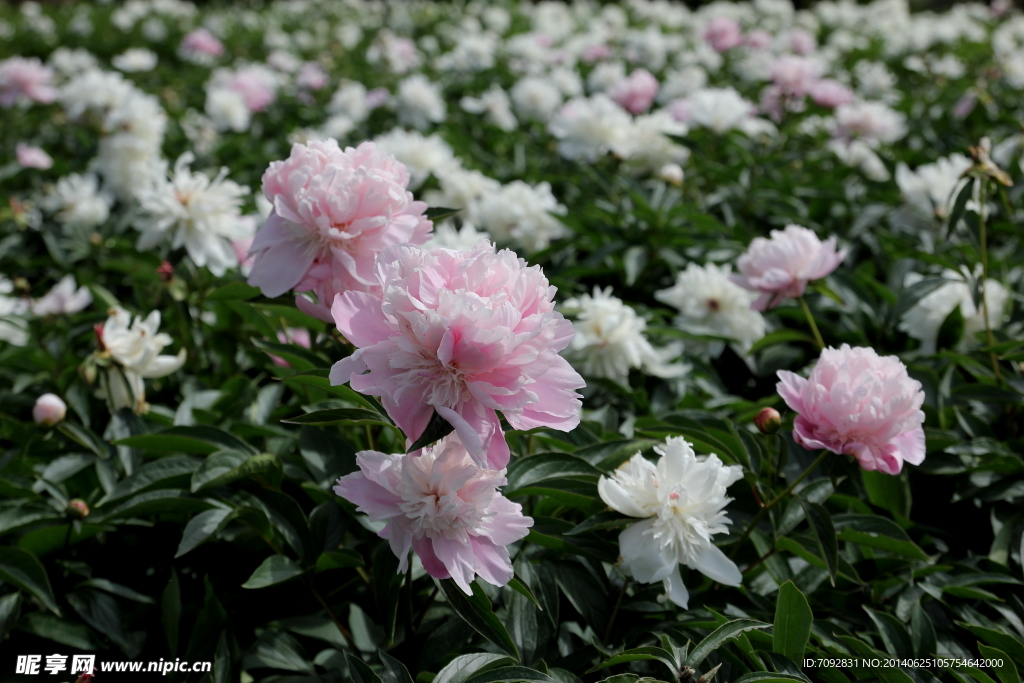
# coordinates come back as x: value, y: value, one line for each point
x: 442, y: 506
x: 202, y: 42
x: 334, y: 211
x: 255, y: 85
x: 723, y: 34
x: 463, y: 334
x: 858, y: 403
x: 30, y: 156
x: 25, y: 80
x: 635, y: 93
x: 780, y: 268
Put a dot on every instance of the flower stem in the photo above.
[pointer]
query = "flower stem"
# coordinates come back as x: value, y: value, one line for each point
x: 810, y: 319
x: 761, y: 513
x: 615, y: 610
x: 345, y: 633
x: 983, y: 237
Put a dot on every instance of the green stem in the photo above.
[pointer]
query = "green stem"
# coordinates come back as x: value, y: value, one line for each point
x: 615, y: 611
x: 345, y: 633
x: 761, y: 513
x: 810, y: 319
x: 982, y: 229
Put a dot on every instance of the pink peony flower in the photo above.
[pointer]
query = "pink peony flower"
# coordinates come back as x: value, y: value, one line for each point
x: 311, y: 76
x: 201, y: 41
x: 442, y: 506
x: 781, y: 267
x: 30, y: 156
x: 830, y: 93
x: 758, y: 39
x: 49, y: 410
x: 801, y: 41
x: 334, y: 211
x: 723, y: 33
x: 465, y: 334
x: 377, y: 97
x: 636, y: 93
x: 595, y: 53
x: 255, y: 86
x: 858, y: 403
x: 25, y: 80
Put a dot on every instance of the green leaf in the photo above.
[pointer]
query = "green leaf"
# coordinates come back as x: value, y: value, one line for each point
x: 436, y: 213
x: 654, y: 654
x: 298, y: 358
x: 1004, y: 667
x: 356, y: 416
x: 521, y: 588
x: 601, y: 521
x: 155, y: 502
x: 234, y: 291
x: 719, y: 637
x: 118, y: 589
x: 387, y: 584
x: 394, y: 670
x: 274, y: 570
x: 102, y: 612
x: 781, y: 337
x: 543, y: 466
x: 768, y: 677
x: 279, y: 650
x: 894, y: 633
x: 436, y: 429
x: 959, y: 205
x: 23, y: 570
x: 86, y: 438
x: 1005, y: 642
x: 10, y: 610
x: 508, y: 674
x: 360, y: 672
x: 197, y: 439
x: 170, y: 612
x: 888, y: 492
x: 460, y: 669
x: 319, y: 378
x: 877, y: 532
x: 201, y: 527
x: 793, y: 619
x: 45, y: 625
x: 825, y: 533
x: 225, y: 467
x: 909, y: 296
x: 338, y: 559
x: 610, y: 454
x: 476, y: 611
x: 163, y: 471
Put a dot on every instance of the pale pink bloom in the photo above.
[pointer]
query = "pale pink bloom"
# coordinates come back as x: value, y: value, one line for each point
x: 758, y: 39
x: 377, y: 97
x: 65, y: 297
x: 30, y: 156
x: 49, y: 410
x: 255, y: 87
x: 794, y: 75
x: 311, y: 76
x: 858, y: 403
x: 291, y: 335
x: 636, y: 93
x: 201, y: 41
x: 596, y: 53
x: 831, y: 93
x: 465, y: 334
x: 802, y: 42
x: 872, y: 122
x: 781, y: 267
x: 334, y: 211
x: 723, y: 33
x: 23, y: 80
x: 442, y: 506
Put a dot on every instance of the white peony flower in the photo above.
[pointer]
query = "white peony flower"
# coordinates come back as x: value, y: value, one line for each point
x: 135, y: 347
x: 588, y: 128
x: 709, y: 303
x: 194, y: 212
x: 535, y: 97
x: 419, y: 102
x: 495, y: 104
x: 13, y: 315
x: 128, y: 154
x: 933, y: 188
x: 228, y: 110
x: 610, y: 340
x: 924, y: 319
x: 78, y: 201
x: 445, y: 236
x: 521, y: 213
x: 421, y: 154
x: 65, y: 297
x: 682, y: 501
x: 135, y: 60
x: 719, y: 109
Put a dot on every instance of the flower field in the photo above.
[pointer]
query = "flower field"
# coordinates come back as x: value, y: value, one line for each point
x: 487, y: 342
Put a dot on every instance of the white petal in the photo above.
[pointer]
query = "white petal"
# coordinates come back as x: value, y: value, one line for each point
x: 643, y: 555
x: 715, y: 565
x: 618, y: 498
x: 676, y: 590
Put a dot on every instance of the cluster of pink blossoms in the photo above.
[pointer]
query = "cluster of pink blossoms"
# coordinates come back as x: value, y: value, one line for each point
x: 439, y: 334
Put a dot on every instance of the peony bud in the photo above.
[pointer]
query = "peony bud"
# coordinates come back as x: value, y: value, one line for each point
x: 671, y: 174
x: 77, y: 508
x: 49, y: 410
x: 768, y: 421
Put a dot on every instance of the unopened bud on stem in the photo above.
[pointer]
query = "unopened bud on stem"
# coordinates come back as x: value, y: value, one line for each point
x: 768, y: 421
